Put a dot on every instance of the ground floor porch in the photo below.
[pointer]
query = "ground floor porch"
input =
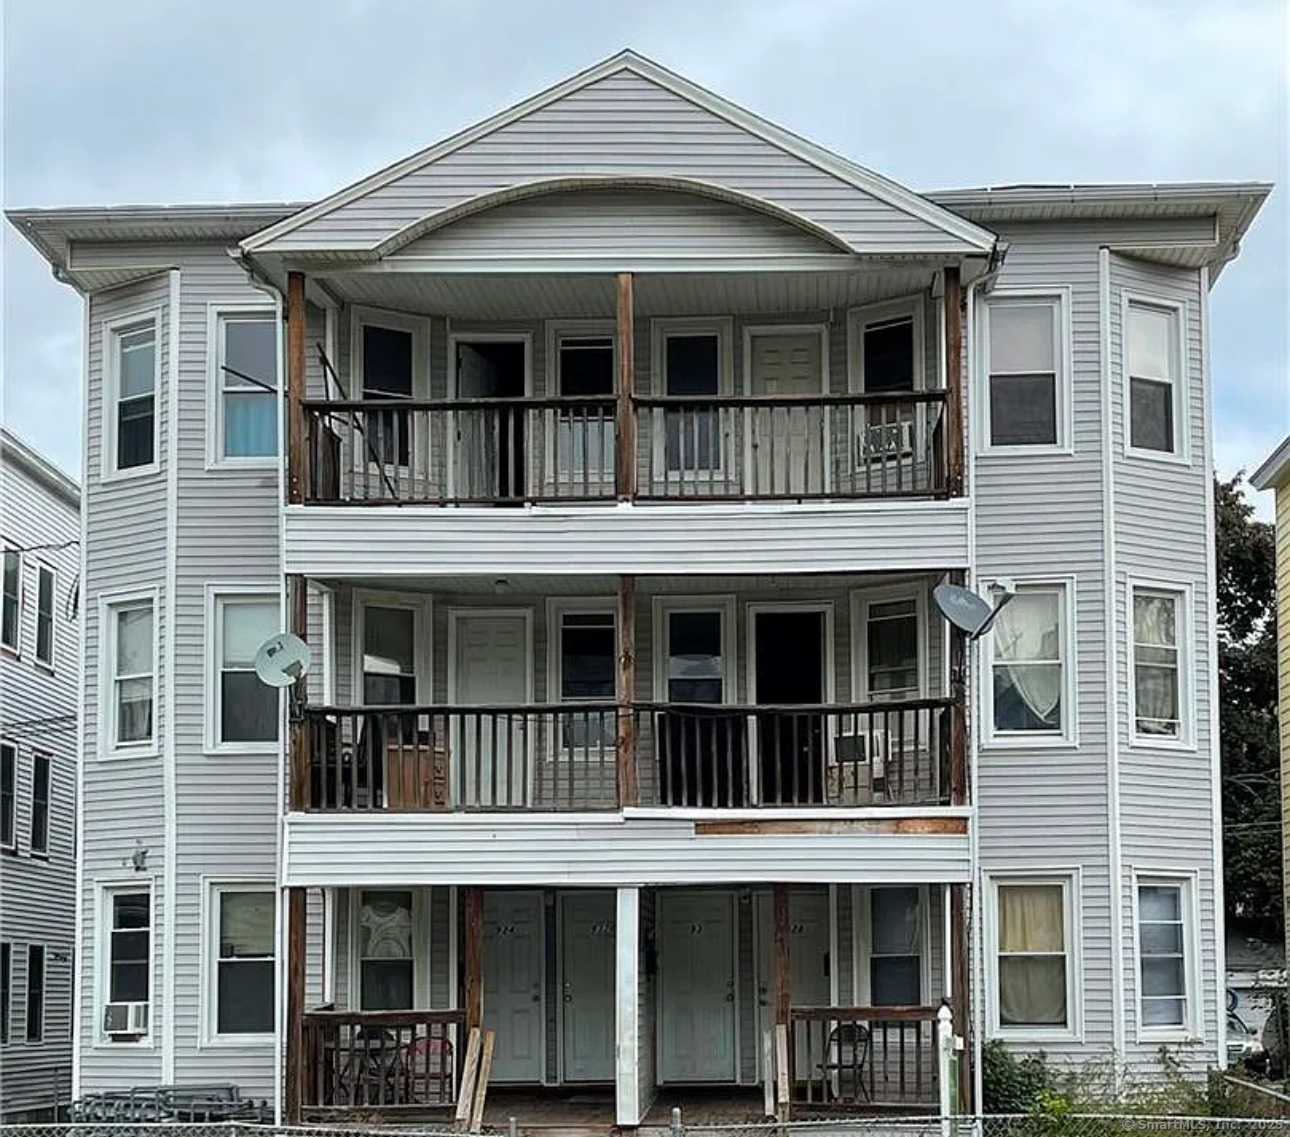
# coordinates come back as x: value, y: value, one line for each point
x: 749, y: 999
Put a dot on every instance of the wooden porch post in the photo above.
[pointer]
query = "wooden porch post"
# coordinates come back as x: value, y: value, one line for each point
x: 473, y: 958
x: 781, y: 990
x: 298, y: 769
x: 293, y: 1095
x: 626, y: 691
x: 959, y: 985
x: 953, y: 381
x: 625, y: 415
x: 296, y: 450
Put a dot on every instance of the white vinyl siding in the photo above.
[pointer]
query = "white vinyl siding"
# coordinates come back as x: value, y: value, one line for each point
x: 245, y: 385
x: 132, y: 386
x: 240, y: 993
x: 1029, y: 668
x: 1160, y: 675
x: 1025, y: 405
x: 1155, y: 416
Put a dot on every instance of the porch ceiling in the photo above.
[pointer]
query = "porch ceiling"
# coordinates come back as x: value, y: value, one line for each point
x: 513, y: 297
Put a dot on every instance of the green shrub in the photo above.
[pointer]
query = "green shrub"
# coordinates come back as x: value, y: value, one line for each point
x: 1013, y: 1084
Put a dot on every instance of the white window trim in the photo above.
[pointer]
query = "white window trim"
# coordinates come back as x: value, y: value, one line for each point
x: 1181, y: 454
x: 725, y: 603
x: 12, y: 747
x: 864, y: 599
x: 216, y: 310
x: 1183, y: 593
x: 216, y: 596
x: 557, y: 607
x: 662, y: 329
x: 108, y: 748
x: 862, y: 942
x: 419, y: 328
x: 1034, y: 739
x: 104, y: 891
x: 421, y: 961
x: 1188, y: 879
x: 43, y: 853
x: 557, y: 330
x: 1069, y: 879
x: 48, y: 665
x: 212, y: 890
x: 15, y: 649
x: 1059, y: 300
x: 111, y: 384
x: 420, y: 606
x: 860, y: 318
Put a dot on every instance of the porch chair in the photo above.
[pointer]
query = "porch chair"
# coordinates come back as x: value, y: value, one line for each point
x: 430, y: 1076
x: 845, y: 1057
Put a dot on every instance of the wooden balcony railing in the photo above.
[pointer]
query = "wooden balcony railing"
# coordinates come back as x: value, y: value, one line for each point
x: 382, y: 1059
x: 863, y: 1056
x: 565, y: 756
x: 550, y: 450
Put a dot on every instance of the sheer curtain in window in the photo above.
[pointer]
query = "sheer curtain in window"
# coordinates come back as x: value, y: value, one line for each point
x: 1027, y: 659
x: 1156, y: 664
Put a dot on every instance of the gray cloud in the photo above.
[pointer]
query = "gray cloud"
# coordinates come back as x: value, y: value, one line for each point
x: 149, y: 100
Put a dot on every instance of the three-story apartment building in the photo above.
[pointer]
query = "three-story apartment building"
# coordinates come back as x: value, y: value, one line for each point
x: 606, y: 456
x: 39, y: 664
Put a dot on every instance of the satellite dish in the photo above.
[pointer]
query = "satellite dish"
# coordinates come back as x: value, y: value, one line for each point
x: 969, y: 612
x: 282, y: 660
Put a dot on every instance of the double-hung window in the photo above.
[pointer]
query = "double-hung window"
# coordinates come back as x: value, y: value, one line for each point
x: 1029, y: 666
x: 1025, y: 372
x: 246, y: 713
x: 1166, y: 996
x: 46, y: 593
x: 246, y: 383
x: 40, y: 774
x: 35, y: 992
x: 895, y: 947
x: 1153, y: 363
x: 892, y: 668
x: 134, y: 363
x: 587, y: 675
x: 8, y: 793
x: 133, y: 669
x: 386, y: 962
x: 11, y: 622
x: 1158, y: 665
x: 243, y: 971
x: 389, y: 655
x: 1033, y: 954
x: 6, y: 987
x: 127, y: 976
x: 585, y: 444
x: 691, y: 361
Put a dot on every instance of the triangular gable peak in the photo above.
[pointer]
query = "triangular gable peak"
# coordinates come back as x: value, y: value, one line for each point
x: 629, y: 118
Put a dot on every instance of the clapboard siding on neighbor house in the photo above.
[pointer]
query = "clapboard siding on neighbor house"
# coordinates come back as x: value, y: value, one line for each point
x: 39, y: 518
x: 624, y: 123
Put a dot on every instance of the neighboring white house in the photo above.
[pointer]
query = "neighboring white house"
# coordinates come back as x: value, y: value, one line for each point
x: 625, y: 438
x: 39, y: 664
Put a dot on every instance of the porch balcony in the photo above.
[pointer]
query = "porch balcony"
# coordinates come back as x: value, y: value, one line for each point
x: 586, y: 756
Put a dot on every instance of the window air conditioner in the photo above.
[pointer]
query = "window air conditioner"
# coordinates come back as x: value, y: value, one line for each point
x: 125, y: 1020
x: 863, y: 747
x: 878, y: 440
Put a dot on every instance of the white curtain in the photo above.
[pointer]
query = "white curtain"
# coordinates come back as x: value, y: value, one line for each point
x: 1032, y: 956
x: 1026, y: 649
x: 386, y: 921
x: 1156, y: 671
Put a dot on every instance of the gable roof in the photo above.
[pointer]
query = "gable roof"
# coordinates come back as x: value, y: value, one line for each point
x: 969, y: 237
x: 1275, y: 471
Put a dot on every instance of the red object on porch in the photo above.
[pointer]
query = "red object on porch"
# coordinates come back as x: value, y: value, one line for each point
x: 429, y: 1063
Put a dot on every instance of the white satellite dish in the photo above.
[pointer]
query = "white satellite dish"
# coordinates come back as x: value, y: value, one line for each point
x: 282, y: 660
x: 970, y: 613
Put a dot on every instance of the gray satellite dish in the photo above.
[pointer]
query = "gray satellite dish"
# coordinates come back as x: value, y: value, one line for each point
x: 970, y: 613
x: 282, y: 660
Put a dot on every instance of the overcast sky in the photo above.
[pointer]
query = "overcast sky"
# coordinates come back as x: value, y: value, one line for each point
x: 235, y: 100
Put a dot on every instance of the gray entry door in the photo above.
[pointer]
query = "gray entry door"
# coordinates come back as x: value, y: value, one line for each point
x: 513, y: 1004
x: 697, y: 990
x: 808, y: 959
x: 587, y: 935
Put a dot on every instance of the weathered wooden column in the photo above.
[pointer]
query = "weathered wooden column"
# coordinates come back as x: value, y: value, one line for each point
x: 960, y: 985
x: 625, y: 692
x: 473, y: 958
x: 293, y: 1090
x: 297, y: 450
x: 953, y: 381
x: 625, y: 412
x: 781, y: 993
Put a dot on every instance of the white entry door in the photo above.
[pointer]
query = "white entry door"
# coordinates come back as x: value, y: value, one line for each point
x: 513, y: 1004
x: 492, y: 754
x: 808, y: 959
x: 789, y: 443
x: 587, y: 934
x: 697, y: 989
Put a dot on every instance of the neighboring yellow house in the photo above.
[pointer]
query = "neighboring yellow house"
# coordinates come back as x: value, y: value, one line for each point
x: 1274, y: 475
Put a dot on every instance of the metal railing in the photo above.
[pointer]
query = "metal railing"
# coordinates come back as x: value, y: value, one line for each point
x: 381, y: 1058
x: 491, y: 451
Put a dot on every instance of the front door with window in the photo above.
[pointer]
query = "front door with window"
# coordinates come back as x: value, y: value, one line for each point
x: 492, y: 751
x: 513, y: 1002
x: 789, y: 443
